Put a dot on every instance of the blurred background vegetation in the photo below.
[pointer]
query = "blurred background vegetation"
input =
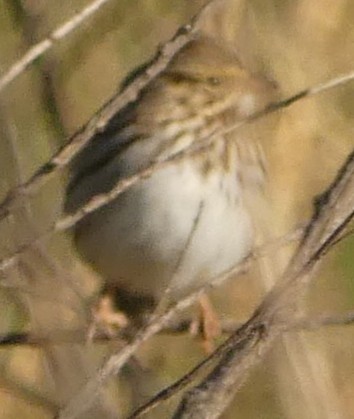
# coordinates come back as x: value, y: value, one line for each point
x: 298, y: 43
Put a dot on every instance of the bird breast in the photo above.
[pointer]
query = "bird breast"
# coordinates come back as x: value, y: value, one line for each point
x: 177, y: 229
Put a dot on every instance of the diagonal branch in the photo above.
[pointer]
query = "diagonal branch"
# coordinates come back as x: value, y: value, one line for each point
x: 100, y: 120
x: 48, y: 43
x: 228, y: 326
x: 81, y: 402
x: 303, y: 323
x: 247, y: 346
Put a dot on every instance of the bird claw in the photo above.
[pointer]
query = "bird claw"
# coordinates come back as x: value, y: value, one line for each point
x: 106, y: 319
x: 206, y: 325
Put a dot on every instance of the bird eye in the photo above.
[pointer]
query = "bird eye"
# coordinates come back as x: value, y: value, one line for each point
x: 214, y: 81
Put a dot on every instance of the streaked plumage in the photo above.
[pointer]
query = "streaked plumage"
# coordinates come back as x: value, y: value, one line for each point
x: 189, y: 221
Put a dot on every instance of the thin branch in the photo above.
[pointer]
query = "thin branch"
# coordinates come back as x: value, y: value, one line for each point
x: 252, y: 333
x: 48, y: 43
x: 83, y: 400
x: 246, y: 347
x: 112, y: 367
x: 68, y: 221
x: 63, y: 157
x: 100, y: 119
x: 230, y: 326
x: 29, y: 23
x: 87, y: 396
x: 255, y: 333
x: 77, y: 336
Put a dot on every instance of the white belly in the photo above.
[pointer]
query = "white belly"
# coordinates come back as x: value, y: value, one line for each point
x: 173, y: 230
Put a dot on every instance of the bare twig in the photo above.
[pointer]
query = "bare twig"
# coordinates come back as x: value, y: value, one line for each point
x: 250, y: 333
x: 99, y: 121
x: 249, y: 344
x: 46, y: 44
x: 77, y: 336
x: 255, y: 334
x: 95, y: 124
x: 230, y: 326
x: 249, y: 336
x: 82, y: 401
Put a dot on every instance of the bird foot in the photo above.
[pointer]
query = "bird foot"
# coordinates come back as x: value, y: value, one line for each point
x: 207, y: 324
x: 106, y: 320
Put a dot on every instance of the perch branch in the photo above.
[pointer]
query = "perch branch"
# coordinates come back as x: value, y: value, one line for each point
x: 48, y: 43
x: 100, y: 119
x: 95, y: 124
x: 247, y: 346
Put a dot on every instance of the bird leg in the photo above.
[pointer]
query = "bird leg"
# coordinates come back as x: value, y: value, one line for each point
x: 106, y: 318
x: 207, y: 325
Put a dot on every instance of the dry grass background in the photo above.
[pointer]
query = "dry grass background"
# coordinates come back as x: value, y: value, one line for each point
x: 296, y: 42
